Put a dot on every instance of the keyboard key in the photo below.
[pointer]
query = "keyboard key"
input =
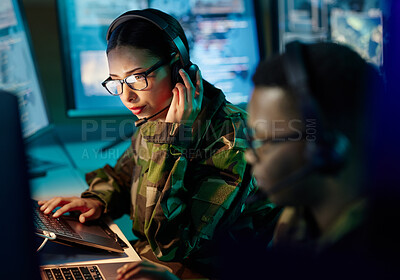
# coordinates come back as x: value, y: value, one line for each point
x: 57, y: 274
x: 49, y: 274
x: 67, y: 274
x: 57, y: 225
x: 74, y: 273
x: 77, y: 273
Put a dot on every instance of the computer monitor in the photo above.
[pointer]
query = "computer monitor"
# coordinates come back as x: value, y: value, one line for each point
x: 222, y: 36
x: 19, y: 260
x: 357, y: 24
x: 18, y: 73
x: 362, y: 31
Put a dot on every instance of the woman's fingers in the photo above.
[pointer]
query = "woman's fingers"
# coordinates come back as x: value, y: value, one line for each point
x: 125, y: 267
x: 182, y: 96
x: 175, y: 98
x: 186, y: 80
x: 45, y: 203
x: 90, y: 208
x: 199, y: 87
x: 144, y: 270
x: 187, y: 99
x: 88, y: 215
x: 131, y: 273
x: 191, y: 92
x: 124, y: 270
x: 50, y: 205
x: 72, y: 206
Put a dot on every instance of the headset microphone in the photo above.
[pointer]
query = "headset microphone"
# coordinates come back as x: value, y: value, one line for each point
x: 140, y: 122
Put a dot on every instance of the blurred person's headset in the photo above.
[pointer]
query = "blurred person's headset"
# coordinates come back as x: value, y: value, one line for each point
x: 329, y: 151
x: 184, y: 60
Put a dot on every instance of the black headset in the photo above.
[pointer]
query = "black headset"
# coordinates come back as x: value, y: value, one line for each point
x: 184, y: 61
x: 329, y: 151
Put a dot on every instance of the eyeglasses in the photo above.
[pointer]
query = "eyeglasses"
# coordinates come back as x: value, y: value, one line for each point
x: 255, y: 144
x: 136, y: 81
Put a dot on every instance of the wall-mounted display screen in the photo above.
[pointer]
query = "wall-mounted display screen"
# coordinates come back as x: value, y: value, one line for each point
x: 357, y: 24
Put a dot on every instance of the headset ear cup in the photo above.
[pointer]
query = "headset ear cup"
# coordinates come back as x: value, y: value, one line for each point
x: 175, y: 76
x: 330, y: 158
x: 339, y: 151
x: 192, y: 71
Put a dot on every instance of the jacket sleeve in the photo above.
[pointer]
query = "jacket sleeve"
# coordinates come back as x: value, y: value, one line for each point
x: 189, y: 198
x: 111, y: 185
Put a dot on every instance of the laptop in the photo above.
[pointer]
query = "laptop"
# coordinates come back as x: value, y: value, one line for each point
x: 105, y: 271
x: 20, y: 261
x: 68, y: 230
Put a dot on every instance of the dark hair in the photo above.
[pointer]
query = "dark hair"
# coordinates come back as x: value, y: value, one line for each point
x: 143, y: 34
x: 339, y: 80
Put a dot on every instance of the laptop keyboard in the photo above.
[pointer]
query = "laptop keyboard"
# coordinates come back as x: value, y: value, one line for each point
x: 74, y: 273
x: 56, y: 225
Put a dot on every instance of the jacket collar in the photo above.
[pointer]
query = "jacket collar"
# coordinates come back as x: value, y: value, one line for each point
x: 213, y: 99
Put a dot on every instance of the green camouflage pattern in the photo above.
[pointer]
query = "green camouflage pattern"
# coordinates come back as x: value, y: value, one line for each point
x: 180, y: 184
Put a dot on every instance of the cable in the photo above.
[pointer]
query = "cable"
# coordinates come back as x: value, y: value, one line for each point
x: 46, y: 235
x: 42, y: 245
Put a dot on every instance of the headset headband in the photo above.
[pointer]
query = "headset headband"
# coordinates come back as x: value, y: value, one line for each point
x: 160, y: 23
x: 296, y: 74
x: 332, y: 146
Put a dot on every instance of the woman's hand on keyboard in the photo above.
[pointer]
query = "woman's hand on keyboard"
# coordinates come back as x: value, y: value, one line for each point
x: 90, y: 208
x: 144, y: 270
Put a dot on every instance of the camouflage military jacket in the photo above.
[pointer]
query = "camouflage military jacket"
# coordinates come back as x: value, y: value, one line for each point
x: 176, y: 182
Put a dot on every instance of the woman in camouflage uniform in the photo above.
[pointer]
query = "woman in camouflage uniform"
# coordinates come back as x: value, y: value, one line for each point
x: 181, y: 180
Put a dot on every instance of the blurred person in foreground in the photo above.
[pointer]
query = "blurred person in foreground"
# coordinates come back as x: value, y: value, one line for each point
x: 308, y: 129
